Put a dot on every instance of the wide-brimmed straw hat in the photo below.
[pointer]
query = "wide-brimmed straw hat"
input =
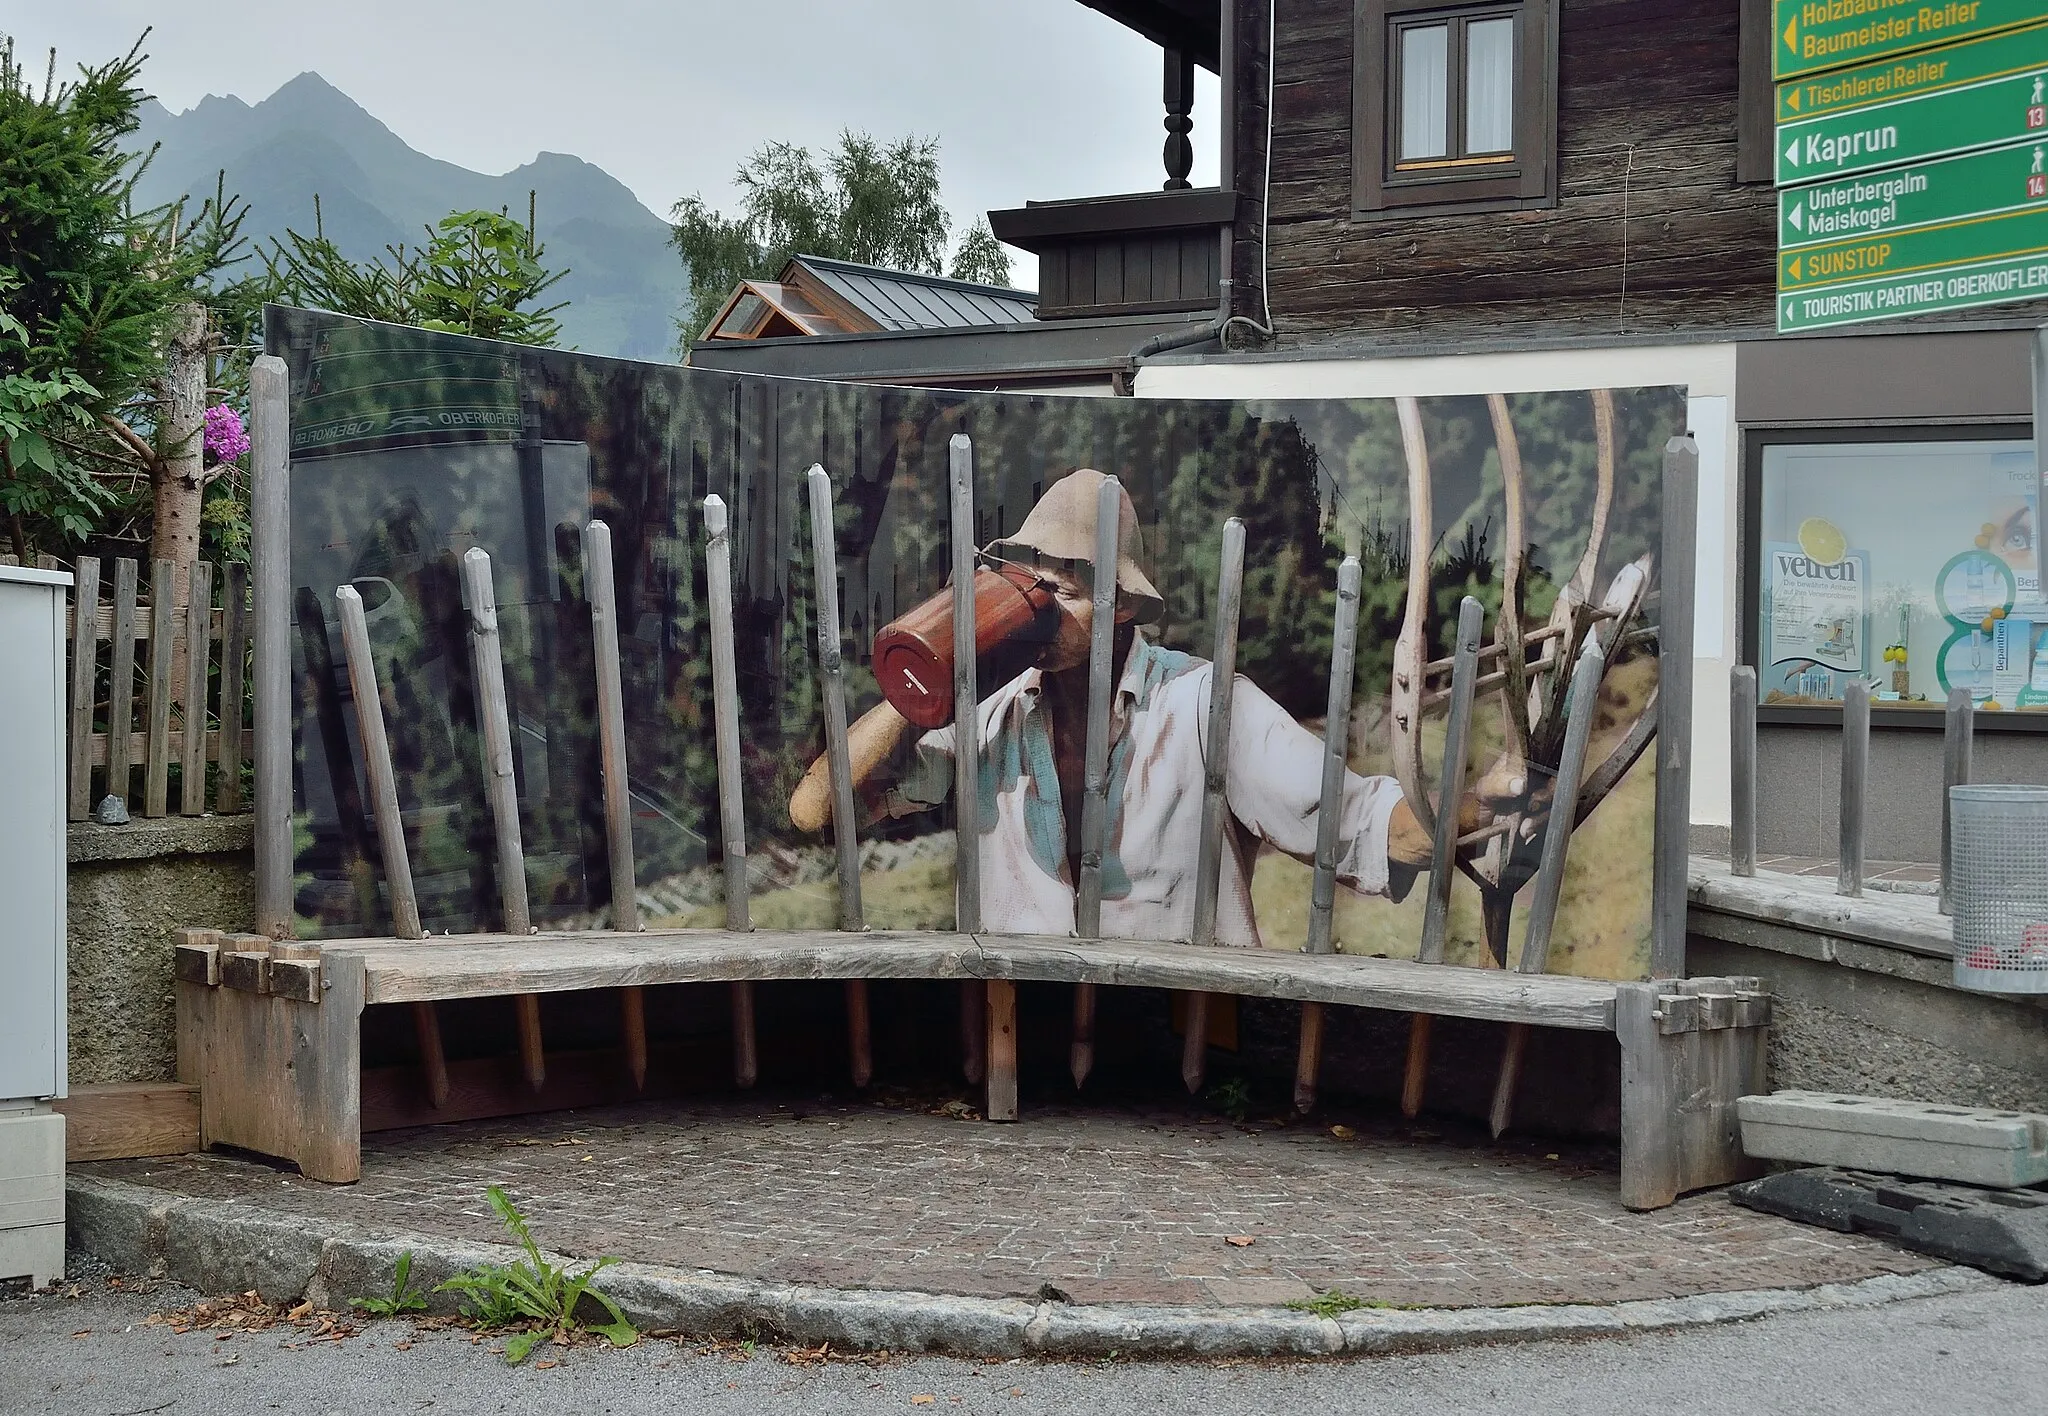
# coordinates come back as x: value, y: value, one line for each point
x: 1061, y: 531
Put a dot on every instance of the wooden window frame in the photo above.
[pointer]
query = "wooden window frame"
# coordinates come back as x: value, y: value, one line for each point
x: 1377, y: 189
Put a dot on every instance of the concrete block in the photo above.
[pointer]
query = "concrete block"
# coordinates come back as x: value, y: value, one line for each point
x: 32, y: 1196
x: 34, y: 1252
x: 1968, y: 1144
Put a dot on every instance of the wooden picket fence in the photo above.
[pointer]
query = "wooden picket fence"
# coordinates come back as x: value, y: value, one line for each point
x: 188, y: 684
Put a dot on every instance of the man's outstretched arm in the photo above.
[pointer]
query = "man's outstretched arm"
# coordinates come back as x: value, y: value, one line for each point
x: 871, y: 742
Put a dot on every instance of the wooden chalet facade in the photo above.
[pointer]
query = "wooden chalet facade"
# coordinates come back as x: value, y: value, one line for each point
x: 1572, y: 194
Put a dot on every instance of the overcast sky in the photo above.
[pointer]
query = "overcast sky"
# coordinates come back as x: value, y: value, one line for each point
x: 1030, y: 99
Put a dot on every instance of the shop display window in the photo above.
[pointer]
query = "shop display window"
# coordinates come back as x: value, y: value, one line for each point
x: 1914, y: 566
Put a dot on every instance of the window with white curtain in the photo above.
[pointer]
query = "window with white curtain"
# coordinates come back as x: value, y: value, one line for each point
x: 1425, y: 92
x: 1490, y: 85
x: 1455, y: 103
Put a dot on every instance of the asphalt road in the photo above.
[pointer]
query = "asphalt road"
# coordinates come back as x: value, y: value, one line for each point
x: 1977, y: 1352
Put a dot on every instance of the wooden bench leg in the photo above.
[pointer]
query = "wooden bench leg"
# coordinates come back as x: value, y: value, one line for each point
x: 1509, y: 1079
x: 327, y: 1068
x: 973, y: 1031
x: 1308, y: 1061
x: 1416, y: 1079
x: 859, y: 1035
x: 1689, y: 1048
x: 746, y: 1066
x: 1194, y: 1054
x: 633, y: 1024
x: 426, y: 1028
x: 1002, y: 1050
x: 1081, y: 1054
x: 533, y: 1058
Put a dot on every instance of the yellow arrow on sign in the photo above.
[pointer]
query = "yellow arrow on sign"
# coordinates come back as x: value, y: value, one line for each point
x: 1792, y: 98
x: 1792, y: 35
x: 1795, y: 267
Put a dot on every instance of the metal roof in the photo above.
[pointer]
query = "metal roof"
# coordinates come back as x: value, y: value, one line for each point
x: 896, y: 299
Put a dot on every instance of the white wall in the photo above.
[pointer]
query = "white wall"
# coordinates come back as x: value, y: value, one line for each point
x: 1706, y: 371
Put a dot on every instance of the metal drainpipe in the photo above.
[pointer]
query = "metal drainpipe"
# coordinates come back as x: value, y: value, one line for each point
x: 1181, y: 338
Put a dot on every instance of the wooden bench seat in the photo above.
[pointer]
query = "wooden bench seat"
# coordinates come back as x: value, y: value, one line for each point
x: 273, y: 1032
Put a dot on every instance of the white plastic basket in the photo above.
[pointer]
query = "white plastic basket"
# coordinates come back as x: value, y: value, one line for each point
x: 1998, y: 887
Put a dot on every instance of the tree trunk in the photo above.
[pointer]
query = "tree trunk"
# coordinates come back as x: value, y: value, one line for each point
x: 179, y: 478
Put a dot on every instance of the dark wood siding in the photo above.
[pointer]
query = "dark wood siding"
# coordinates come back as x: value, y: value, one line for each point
x: 1128, y: 273
x: 1651, y: 232
x: 1654, y: 231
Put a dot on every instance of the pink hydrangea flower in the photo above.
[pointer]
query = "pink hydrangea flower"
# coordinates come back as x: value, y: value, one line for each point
x: 225, y: 439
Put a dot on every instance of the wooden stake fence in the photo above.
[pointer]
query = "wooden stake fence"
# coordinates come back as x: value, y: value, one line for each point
x: 190, y: 682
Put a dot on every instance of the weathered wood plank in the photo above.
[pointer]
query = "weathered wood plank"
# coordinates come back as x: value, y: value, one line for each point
x: 121, y: 681
x: 85, y: 650
x: 198, y: 658
x: 234, y: 661
x: 1909, y: 922
x: 128, y: 1120
x: 481, y: 966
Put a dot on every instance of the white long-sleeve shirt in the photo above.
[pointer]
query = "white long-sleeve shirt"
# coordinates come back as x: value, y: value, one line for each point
x: 1158, y: 729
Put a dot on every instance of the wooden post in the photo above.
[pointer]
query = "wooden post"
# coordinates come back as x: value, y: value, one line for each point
x: 732, y: 806
x: 1557, y: 839
x: 1742, y: 771
x: 234, y: 659
x: 598, y: 585
x: 1855, y: 786
x: 271, y: 569
x: 121, y: 682
x: 1450, y: 793
x: 1443, y: 848
x: 1215, y: 788
x: 974, y: 1039
x: 362, y: 677
x: 1002, y: 1050
x: 163, y: 624
x: 600, y: 588
x: 198, y: 654
x: 1322, y: 903
x: 1956, y: 754
x: 85, y: 653
x: 966, y: 695
x: 501, y: 791
x: 845, y: 826
x: 1095, y: 761
x: 1680, y: 521
x: 405, y: 909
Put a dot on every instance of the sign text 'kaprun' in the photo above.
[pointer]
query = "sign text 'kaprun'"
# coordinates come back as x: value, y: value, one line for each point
x: 1980, y: 94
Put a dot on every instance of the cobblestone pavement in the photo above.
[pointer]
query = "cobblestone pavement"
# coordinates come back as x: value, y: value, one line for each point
x: 1105, y: 1204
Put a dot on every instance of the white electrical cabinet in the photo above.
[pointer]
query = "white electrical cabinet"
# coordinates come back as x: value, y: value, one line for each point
x: 32, y: 852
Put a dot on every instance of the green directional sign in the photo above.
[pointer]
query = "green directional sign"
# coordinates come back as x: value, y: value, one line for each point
x: 1942, y: 192
x: 1972, y: 95
x: 1813, y: 35
x: 1982, y: 260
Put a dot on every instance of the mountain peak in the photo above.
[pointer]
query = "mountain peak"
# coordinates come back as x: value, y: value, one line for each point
x: 309, y: 137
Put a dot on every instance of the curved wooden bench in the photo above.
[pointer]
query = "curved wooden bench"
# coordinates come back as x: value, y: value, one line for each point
x: 275, y: 1039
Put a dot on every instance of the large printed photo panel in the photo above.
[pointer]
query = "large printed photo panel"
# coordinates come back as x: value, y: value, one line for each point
x: 411, y: 448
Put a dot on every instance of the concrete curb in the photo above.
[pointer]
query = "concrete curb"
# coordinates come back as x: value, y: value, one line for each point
x: 230, y: 1247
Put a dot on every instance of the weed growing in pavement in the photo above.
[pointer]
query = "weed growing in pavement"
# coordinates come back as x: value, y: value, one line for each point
x: 404, y: 1297
x: 1232, y: 1097
x: 533, y: 1291
x: 1333, y: 1301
